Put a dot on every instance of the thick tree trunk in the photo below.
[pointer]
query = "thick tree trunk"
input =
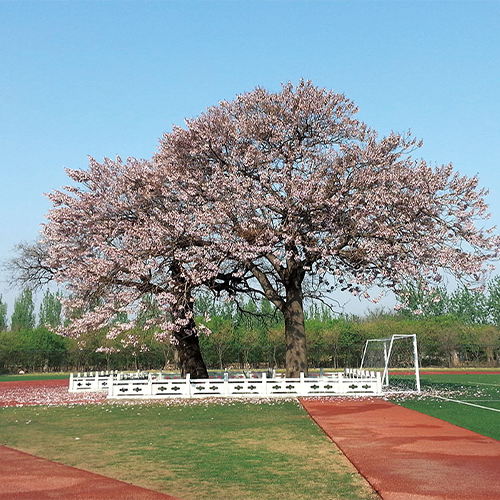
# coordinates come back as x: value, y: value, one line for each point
x: 190, y: 358
x: 295, y: 334
x: 188, y: 344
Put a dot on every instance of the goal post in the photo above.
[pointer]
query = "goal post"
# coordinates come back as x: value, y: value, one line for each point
x: 396, y: 352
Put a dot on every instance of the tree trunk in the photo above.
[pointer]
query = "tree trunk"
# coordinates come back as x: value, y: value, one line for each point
x: 190, y: 358
x: 454, y: 358
x: 295, y: 334
x: 188, y: 344
x: 490, y: 355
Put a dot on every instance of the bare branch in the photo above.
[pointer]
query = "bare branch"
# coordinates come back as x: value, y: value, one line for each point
x: 29, y: 268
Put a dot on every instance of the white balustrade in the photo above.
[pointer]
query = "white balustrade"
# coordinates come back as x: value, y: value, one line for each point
x: 142, y: 385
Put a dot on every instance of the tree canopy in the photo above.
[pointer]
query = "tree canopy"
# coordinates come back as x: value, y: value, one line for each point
x: 308, y: 199
x: 120, y: 238
x: 23, y: 317
x: 282, y: 195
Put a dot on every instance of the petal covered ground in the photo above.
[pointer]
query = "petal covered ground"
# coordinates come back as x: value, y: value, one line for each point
x: 44, y: 392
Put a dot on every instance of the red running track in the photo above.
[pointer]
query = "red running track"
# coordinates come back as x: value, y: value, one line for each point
x: 26, y: 477
x: 406, y: 455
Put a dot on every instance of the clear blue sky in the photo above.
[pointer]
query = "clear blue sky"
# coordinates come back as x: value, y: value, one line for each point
x: 108, y: 78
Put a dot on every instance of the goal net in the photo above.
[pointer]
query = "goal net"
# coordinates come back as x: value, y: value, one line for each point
x: 397, y: 358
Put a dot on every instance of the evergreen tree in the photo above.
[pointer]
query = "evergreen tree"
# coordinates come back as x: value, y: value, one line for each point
x: 419, y: 299
x: 50, y: 310
x: 494, y: 300
x: 3, y: 315
x: 271, y: 315
x: 468, y: 306
x: 150, y: 310
x: 204, y: 304
x: 23, y: 317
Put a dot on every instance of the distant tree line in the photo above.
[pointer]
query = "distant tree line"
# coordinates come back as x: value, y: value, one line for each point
x: 461, y: 328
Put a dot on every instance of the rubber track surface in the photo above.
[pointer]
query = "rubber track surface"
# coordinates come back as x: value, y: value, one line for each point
x: 26, y: 477
x: 406, y: 455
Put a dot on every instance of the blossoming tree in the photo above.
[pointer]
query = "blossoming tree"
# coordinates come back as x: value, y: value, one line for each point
x: 118, y: 236
x: 308, y: 199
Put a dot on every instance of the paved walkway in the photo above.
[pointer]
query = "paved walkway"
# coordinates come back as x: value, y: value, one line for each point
x: 406, y: 455
x: 26, y: 477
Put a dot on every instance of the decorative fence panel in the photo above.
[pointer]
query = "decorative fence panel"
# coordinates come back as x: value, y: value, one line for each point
x: 120, y: 386
x: 98, y: 381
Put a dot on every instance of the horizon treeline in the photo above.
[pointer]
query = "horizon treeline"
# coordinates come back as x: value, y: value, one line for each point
x: 461, y: 328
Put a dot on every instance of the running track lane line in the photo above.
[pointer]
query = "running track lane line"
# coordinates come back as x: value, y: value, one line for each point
x: 406, y: 455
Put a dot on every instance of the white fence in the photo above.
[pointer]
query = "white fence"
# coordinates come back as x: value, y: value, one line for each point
x: 93, y: 381
x: 352, y: 382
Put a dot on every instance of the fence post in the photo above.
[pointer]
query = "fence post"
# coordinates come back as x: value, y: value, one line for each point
x: 264, y: 383
x: 111, y: 386
x: 379, y: 382
x: 188, y: 384
x: 341, y: 386
x: 150, y: 385
x: 71, y: 381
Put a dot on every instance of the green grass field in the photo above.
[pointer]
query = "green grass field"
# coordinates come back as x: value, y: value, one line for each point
x: 475, y: 401
x: 195, y: 451
x: 231, y: 450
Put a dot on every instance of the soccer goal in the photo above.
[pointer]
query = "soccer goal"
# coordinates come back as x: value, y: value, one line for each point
x: 399, y: 354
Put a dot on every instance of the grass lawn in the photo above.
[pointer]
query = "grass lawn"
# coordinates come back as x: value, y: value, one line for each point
x: 481, y: 390
x: 194, y: 451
